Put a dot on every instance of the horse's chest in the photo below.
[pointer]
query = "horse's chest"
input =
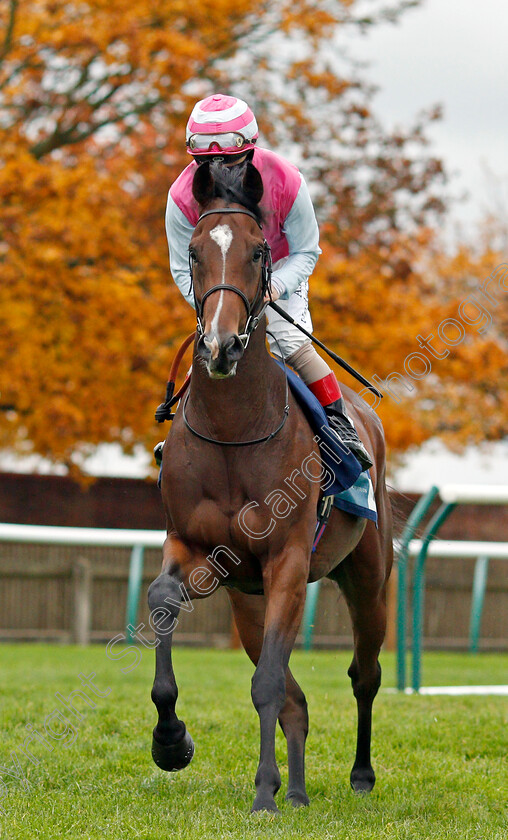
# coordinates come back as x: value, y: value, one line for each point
x: 206, y: 507
x: 212, y: 519
x: 209, y: 524
x: 233, y: 499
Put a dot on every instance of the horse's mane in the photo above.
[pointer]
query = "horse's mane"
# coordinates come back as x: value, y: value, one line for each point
x: 228, y: 182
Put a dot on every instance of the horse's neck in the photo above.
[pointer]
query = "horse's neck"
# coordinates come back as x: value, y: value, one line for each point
x: 233, y: 407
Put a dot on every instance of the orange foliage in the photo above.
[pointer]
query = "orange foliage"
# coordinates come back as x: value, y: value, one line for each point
x: 83, y: 310
x: 379, y: 321
x: 93, y: 102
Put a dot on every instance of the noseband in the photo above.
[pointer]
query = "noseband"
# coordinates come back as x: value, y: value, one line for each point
x: 266, y: 273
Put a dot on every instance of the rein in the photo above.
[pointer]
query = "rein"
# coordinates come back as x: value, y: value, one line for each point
x: 163, y: 411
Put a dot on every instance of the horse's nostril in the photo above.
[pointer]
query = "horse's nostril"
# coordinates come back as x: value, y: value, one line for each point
x: 203, y: 348
x: 208, y: 348
x: 234, y: 348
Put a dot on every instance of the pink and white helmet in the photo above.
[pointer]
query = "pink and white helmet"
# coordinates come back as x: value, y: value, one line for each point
x: 221, y: 124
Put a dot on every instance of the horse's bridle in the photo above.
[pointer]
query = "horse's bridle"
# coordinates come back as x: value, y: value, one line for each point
x: 266, y: 273
x: 250, y: 326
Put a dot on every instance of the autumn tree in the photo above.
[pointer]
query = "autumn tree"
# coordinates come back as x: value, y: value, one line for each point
x: 93, y: 102
x: 90, y: 98
x: 385, y: 277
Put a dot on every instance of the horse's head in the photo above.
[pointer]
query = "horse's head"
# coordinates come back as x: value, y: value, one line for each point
x: 229, y: 262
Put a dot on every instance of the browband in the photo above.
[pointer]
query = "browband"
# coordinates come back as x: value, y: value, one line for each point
x: 231, y: 210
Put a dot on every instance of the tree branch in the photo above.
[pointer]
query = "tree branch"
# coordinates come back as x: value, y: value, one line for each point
x: 8, y: 32
x: 67, y: 137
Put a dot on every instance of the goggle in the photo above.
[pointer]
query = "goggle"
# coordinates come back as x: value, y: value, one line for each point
x: 223, y: 142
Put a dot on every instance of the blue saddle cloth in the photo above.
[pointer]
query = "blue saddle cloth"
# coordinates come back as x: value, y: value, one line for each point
x: 351, y: 488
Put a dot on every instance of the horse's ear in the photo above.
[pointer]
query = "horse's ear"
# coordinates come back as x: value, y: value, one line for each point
x: 202, y: 184
x: 253, y: 183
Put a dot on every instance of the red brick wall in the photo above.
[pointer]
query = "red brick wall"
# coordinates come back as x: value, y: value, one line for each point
x: 56, y: 500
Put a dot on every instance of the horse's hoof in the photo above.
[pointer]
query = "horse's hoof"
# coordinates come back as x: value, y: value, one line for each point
x: 173, y: 756
x: 362, y: 781
x: 264, y: 803
x: 298, y: 800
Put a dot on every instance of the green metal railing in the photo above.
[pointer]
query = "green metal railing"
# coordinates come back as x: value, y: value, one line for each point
x: 133, y: 590
x: 309, y: 613
x: 408, y: 546
x: 479, y: 587
x: 451, y: 495
x: 414, y: 521
x: 429, y: 534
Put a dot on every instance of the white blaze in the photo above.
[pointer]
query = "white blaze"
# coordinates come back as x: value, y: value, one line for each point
x: 223, y: 236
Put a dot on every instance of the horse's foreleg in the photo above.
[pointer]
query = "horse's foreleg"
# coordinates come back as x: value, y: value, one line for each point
x: 172, y: 746
x: 249, y: 612
x: 284, y: 580
x: 362, y: 578
x: 294, y: 721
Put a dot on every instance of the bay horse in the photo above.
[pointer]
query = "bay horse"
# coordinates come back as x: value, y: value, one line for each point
x: 238, y: 438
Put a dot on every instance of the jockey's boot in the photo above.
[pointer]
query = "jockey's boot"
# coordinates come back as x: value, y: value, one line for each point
x: 328, y: 392
x: 157, y: 452
x: 343, y: 427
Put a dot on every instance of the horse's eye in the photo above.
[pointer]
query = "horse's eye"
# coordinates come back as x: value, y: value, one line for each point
x: 193, y: 255
x: 257, y: 255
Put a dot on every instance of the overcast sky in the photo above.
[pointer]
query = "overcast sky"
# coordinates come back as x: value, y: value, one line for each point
x: 452, y: 52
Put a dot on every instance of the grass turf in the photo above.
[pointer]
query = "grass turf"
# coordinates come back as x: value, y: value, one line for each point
x: 441, y: 762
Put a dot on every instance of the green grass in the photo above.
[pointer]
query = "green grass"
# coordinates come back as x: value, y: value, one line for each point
x: 441, y: 762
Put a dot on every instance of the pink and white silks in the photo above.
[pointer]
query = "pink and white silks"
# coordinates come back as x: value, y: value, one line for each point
x: 290, y: 229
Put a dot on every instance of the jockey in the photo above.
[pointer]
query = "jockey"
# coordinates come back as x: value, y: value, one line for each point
x: 223, y: 128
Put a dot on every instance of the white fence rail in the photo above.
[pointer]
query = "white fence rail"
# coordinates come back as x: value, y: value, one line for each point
x: 137, y: 540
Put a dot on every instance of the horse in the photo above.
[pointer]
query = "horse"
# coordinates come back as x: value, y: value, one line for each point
x: 237, y: 438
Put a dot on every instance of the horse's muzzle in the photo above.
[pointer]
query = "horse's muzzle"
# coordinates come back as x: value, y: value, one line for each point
x: 221, y: 355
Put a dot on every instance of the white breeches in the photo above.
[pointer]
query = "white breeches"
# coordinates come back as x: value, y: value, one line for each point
x: 289, y: 337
